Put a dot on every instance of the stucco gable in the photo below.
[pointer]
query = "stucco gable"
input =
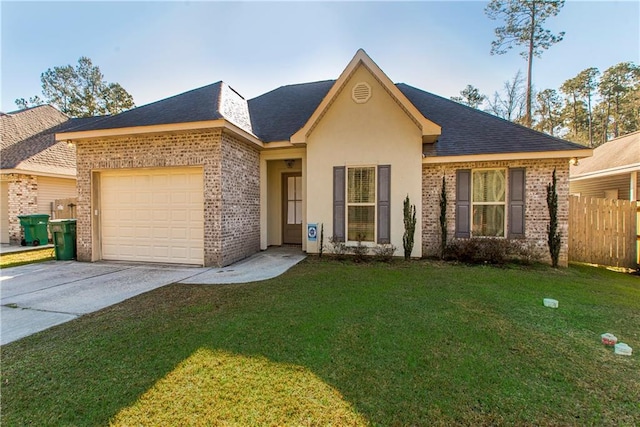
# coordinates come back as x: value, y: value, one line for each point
x: 429, y: 129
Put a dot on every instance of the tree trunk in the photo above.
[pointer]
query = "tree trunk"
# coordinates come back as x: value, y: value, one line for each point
x: 527, y: 115
x: 590, y: 122
x: 605, y: 136
x: 575, y: 115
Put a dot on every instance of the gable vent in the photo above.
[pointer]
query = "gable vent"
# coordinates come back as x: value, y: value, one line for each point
x: 361, y: 92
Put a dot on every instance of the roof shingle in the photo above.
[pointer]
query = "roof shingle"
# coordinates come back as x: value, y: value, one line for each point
x: 469, y: 131
x: 193, y: 106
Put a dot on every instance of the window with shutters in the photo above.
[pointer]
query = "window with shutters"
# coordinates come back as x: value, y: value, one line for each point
x: 488, y: 202
x: 361, y: 203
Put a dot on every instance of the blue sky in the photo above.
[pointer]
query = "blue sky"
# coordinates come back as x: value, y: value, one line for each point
x: 158, y: 49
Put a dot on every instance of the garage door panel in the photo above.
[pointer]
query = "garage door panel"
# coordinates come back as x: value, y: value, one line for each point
x: 153, y: 215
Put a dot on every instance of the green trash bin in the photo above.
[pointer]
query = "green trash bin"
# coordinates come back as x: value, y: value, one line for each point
x: 64, y: 238
x: 35, y: 229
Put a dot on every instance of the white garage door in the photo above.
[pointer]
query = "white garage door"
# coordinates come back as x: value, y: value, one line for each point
x: 153, y: 215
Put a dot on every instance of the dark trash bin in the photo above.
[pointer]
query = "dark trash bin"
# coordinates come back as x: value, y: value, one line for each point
x: 64, y: 238
x: 35, y: 229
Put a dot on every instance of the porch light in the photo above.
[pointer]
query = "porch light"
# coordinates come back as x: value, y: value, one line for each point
x: 289, y: 163
x: 573, y: 161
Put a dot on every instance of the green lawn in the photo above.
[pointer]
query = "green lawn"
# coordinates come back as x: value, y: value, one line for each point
x: 333, y: 343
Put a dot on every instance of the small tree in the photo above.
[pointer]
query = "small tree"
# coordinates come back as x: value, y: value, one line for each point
x: 409, y: 227
x: 321, y: 249
x: 554, y: 234
x: 443, y: 219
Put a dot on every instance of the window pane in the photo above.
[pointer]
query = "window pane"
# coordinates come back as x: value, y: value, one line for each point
x: 362, y: 185
x: 298, y: 212
x: 291, y: 212
x: 488, y: 220
x: 489, y: 186
x: 361, y: 220
x: 291, y: 188
x: 298, y: 188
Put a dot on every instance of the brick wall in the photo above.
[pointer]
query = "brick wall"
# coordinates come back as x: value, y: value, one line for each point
x: 538, y: 175
x: 22, y: 200
x: 240, y: 199
x: 189, y: 148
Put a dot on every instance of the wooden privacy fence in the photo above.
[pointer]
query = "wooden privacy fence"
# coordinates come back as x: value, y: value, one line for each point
x: 64, y: 208
x: 603, y: 231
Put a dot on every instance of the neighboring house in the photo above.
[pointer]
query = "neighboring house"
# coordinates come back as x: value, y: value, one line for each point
x: 35, y: 170
x: 208, y: 178
x: 612, y: 173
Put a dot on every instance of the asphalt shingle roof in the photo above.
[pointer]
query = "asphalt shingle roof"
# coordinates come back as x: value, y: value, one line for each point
x: 620, y: 152
x: 31, y: 143
x: 17, y: 126
x: 469, y: 131
x: 193, y: 106
x: 278, y: 114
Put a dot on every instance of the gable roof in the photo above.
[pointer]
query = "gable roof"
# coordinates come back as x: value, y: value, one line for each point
x: 30, y: 144
x: 620, y: 155
x: 19, y: 125
x: 288, y: 114
x: 468, y: 131
x: 278, y: 114
x: 429, y: 129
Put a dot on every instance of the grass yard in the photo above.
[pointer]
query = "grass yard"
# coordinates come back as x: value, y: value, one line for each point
x: 332, y: 343
x: 26, y: 257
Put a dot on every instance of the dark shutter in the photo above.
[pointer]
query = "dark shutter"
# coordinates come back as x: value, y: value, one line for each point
x: 463, y: 203
x: 516, y: 203
x: 384, y: 204
x: 338, y: 203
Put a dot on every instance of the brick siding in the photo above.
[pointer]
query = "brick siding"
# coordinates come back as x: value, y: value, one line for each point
x: 538, y: 175
x: 208, y: 149
x: 22, y: 200
x: 240, y: 200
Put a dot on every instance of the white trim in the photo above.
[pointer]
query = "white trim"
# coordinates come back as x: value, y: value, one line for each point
x: 374, y: 203
x: 36, y: 173
x: 488, y: 157
x: 170, y: 127
x: 607, y: 172
x: 427, y: 127
x: 502, y: 203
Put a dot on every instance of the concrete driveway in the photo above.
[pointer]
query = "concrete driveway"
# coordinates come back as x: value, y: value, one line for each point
x: 38, y: 296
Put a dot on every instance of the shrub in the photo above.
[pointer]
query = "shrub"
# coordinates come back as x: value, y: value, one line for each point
x: 443, y: 219
x: 409, y: 214
x: 338, y: 247
x: 481, y: 251
x: 492, y: 251
x: 384, y: 252
x: 359, y: 251
x: 321, y: 248
x: 526, y: 252
x: 555, y: 242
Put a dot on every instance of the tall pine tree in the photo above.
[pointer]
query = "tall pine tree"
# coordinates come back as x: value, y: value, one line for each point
x: 523, y: 26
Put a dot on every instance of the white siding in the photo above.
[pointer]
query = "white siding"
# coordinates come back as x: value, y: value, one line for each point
x: 50, y: 189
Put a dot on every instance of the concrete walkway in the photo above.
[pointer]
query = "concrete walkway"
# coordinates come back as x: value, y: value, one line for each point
x: 38, y: 296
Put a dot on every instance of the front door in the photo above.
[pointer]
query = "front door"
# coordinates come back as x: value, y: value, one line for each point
x: 292, y: 209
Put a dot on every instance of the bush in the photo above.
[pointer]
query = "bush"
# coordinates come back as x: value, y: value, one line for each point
x: 359, y: 251
x: 384, y: 252
x: 492, y: 251
x: 338, y: 248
